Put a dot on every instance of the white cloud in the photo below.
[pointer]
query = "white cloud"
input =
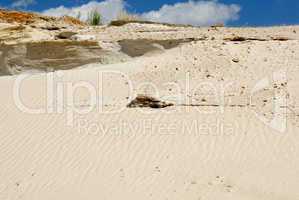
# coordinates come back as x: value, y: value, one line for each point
x: 109, y: 10
x: 22, y: 3
x: 199, y: 13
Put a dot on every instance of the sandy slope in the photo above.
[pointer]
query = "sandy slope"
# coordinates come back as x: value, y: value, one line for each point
x: 212, y: 144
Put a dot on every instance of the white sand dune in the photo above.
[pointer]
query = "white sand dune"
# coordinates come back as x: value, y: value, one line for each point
x: 231, y: 134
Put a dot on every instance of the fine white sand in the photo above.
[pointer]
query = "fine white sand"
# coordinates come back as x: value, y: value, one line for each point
x: 232, y: 133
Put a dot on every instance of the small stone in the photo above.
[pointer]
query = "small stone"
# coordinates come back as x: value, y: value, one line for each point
x: 236, y: 60
x: 280, y: 38
x: 66, y: 35
x: 236, y: 39
x: 51, y: 28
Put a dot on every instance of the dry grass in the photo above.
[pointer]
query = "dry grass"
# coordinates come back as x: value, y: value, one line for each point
x: 124, y: 22
x: 125, y: 16
x: 72, y: 21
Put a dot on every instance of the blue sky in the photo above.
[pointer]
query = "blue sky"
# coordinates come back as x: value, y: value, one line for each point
x: 252, y: 13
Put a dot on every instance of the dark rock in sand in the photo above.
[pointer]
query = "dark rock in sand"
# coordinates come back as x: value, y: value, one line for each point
x: 66, y: 35
x: 143, y: 101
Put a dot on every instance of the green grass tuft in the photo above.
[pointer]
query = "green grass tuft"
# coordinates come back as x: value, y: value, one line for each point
x: 94, y: 18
